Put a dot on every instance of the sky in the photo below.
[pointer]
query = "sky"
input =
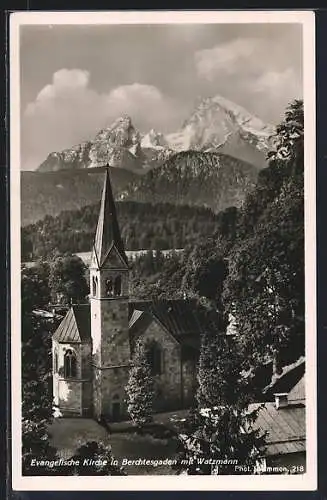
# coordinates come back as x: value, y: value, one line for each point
x: 75, y: 80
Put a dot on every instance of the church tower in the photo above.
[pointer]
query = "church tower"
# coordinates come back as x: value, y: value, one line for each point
x: 109, y: 312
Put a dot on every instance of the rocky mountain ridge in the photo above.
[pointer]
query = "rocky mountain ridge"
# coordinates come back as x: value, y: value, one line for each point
x: 216, y: 124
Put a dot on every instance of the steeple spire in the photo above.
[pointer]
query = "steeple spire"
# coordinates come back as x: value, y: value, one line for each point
x: 107, y: 234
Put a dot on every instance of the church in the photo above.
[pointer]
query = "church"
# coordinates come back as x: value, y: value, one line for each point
x: 92, y: 348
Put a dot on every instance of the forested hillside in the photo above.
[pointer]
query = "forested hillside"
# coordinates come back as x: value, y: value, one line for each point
x: 195, y: 178
x: 143, y: 226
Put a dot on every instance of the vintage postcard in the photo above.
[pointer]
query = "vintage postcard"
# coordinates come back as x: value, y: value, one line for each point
x: 163, y: 309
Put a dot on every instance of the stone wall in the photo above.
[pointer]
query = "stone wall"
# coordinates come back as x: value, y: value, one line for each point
x: 109, y: 394
x: 111, y: 356
x: 73, y: 396
x: 168, y: 385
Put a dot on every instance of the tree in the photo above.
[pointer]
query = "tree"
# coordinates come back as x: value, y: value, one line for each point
x: 221, y: 426
x: 265, y: 285
x: 206, y: 269
x: 36, y: 445
x: 140, y: 387
x: 220, y: 434
x: 67, y: 279
x: 36, y: 392
x: 36, y: 371
x: 289, y: 139
x: 218, y: 369
x: 220, y: 440
x: 35, y: 291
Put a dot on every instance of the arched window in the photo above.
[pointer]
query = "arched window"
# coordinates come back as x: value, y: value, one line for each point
x: 70, y: 364
x: 55, y: 361
x: 118, y: 285
x: 94, y: 285
x: 155, y: 358
x: 109, y: 287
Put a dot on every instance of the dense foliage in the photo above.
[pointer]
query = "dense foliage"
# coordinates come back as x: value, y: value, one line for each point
x: 264, y: 289
x: 140, y: 387
x: 143, y: 226
x: 67, y: 279
x: 220, y: 440
x: 36, y: 373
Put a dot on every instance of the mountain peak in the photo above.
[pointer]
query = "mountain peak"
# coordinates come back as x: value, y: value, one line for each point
x: 216, y: 125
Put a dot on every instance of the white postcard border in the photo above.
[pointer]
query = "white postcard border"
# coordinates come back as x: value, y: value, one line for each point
x: 307, y: 481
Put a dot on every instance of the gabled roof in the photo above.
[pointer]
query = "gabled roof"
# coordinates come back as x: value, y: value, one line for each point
x: 285, y: 428
x: 290, y: 376
x: 181, y: 318
x: 76, y: 325
x: 297, y: 394
x: 107, y: 233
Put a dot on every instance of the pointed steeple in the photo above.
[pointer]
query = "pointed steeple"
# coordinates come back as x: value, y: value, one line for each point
x: 107, y: 235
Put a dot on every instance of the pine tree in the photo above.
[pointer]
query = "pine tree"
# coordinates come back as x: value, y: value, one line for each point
x: 220, y: 440
x: 220, y: 372
x: 140, y: 388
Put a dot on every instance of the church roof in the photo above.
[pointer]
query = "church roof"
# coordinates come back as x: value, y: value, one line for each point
x: 107, y: 233
x: 181, y: 318
x: 76, y: 325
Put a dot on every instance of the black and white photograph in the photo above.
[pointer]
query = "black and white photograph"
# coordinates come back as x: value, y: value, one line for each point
x: 163, y: 315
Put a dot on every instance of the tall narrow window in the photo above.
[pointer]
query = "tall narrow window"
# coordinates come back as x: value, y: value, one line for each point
x: 70, y: 365
x: 94, y: 285
x: 55, y: 361
x: 109, y: 287
x: 155, y: 358
x: 118, y: 285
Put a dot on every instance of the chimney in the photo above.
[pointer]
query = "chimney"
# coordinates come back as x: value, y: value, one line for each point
x: 281, y: 400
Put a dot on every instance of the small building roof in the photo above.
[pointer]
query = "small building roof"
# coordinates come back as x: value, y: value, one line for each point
x: 297, y: 394
x: 76, y: 325
x: 287, y: 380
x: 285, y: 427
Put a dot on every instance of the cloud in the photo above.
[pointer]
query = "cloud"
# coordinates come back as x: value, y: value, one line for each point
x: 279, y: 83
x: 68, y: 110
x: 145, y: 103
x: 226, y: 57
x: 256, y: 73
